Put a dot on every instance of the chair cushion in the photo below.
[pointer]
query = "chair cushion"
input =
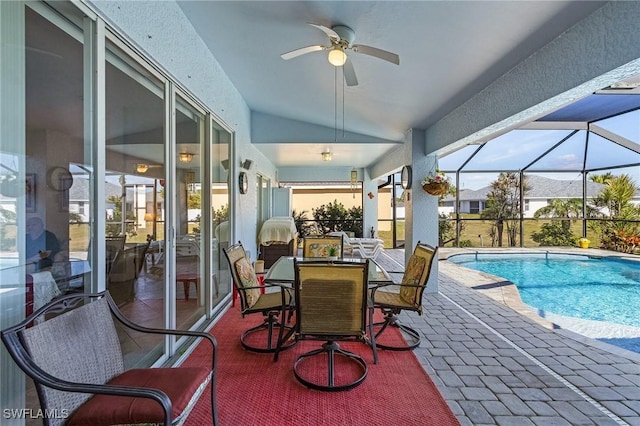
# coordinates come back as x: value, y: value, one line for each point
x: 323, y: 249
x: 248, y: 279
x: 180, y: 385
x: 389, y: 299
x: 412, y: 274
x: 80, y: 345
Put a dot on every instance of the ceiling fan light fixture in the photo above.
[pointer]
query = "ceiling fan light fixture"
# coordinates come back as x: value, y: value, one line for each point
x: 326, y: 156
x: 337, y: 57
x: 142, y: 168
x: 185, y: 157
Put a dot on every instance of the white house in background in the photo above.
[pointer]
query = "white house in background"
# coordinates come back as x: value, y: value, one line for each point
x: 541, y: 191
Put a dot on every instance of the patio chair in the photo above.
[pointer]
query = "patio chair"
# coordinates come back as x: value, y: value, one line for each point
x: 76, y: 362
x: 323, y: 246
x: 113, y: 245
x: 408, y: 297
x: 125, y: 271
x: 332, y: 304
x: 253, y: 301
x: 347, y: 248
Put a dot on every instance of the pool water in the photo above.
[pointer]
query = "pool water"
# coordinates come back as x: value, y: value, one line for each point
x: 590, y: 288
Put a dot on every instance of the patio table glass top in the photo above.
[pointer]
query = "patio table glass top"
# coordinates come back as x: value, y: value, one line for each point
x: 281, y: 272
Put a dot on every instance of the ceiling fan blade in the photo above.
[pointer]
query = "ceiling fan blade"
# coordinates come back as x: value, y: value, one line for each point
x: 349, y: 73
x: 301, y: 51
x: 378, y: 53
x: 328, y: 31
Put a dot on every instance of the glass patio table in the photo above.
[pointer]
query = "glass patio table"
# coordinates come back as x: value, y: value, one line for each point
x: 281, y: 272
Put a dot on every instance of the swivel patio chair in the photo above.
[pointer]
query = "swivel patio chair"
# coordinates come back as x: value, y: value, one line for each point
x: 332, y: 304
x: 408, y: 297
x: 77, y: 364
x: 113, y: 245
x: 323, y: 246
x: 253, y: 300
x: 121, y: 280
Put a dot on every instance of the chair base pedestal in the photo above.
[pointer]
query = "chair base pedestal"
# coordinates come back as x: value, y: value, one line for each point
x: 391, y: 320
x: 331, y: 349
x: 272, y: 325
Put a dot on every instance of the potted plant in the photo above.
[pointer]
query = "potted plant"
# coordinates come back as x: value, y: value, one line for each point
x: 436, y: 183
x: 584, y: 243
x: 333, y: 253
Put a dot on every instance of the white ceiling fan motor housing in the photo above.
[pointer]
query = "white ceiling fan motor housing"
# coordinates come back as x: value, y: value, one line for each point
x: 346, y: 34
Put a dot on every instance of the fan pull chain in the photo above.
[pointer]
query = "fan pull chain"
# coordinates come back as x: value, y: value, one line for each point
x: 343, y: 101
x: 335, y: 104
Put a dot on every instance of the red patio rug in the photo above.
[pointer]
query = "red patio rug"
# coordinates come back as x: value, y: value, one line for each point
x: 252, y: 389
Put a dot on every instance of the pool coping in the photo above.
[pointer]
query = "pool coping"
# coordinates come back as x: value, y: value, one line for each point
x: 505, y: 292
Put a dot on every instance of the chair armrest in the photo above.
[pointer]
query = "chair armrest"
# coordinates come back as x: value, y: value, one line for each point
x: 265, y: 285
x: 375, y: 288
x: 164, y: 331
x: 24, y: 361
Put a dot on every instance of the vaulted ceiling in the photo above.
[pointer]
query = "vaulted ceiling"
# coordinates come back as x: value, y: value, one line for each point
x: 449, y: 51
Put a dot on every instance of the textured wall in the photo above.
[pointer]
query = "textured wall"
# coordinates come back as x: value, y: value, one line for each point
x: 160, y: 29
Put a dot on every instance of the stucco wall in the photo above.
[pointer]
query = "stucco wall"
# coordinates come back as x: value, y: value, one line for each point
x: 168, y: 38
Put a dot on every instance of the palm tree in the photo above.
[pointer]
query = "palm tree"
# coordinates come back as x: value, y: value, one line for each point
x: 566, y: 209
x: 614, y: 202
x: 616, y: 196
x: 603, y: 178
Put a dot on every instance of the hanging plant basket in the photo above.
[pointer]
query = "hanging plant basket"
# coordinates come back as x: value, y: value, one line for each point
x: 436, y: 188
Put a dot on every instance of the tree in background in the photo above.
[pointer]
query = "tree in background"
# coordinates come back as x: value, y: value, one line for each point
x: 503, y: 207
x: 114, y: 222
x: 194, y: 199
x: 614, y: 202
x: 221, y: 215
x: 335, y: 217
x: 447, y: 231
x: 554, y: 233
x: 303, y: 225
x: 7, y: 221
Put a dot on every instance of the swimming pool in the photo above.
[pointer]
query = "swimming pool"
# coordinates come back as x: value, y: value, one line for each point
x: 591, y: 288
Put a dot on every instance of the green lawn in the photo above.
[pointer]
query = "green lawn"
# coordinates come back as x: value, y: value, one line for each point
x: 472, y: 229
x: 476, y: 232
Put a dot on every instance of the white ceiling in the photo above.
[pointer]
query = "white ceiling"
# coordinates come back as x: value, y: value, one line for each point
x: 449, y: 51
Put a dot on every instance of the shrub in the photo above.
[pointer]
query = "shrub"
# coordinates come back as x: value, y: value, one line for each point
x: 335, y: 217
x: 554, y: 234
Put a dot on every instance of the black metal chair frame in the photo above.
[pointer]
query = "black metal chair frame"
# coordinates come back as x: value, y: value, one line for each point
x: 391, y: 312
x: 284, y: 308
x: 15, y: 345
x: 331, y: 346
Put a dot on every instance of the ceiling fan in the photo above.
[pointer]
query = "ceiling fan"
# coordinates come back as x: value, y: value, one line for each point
x: 342, y: 38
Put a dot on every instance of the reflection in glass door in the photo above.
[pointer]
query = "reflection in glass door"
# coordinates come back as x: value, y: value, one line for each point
x: 190, y: 247
x: 263, y: 187
x: 134, y: 197
x: 220, y: 145
x: 44, y: 170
